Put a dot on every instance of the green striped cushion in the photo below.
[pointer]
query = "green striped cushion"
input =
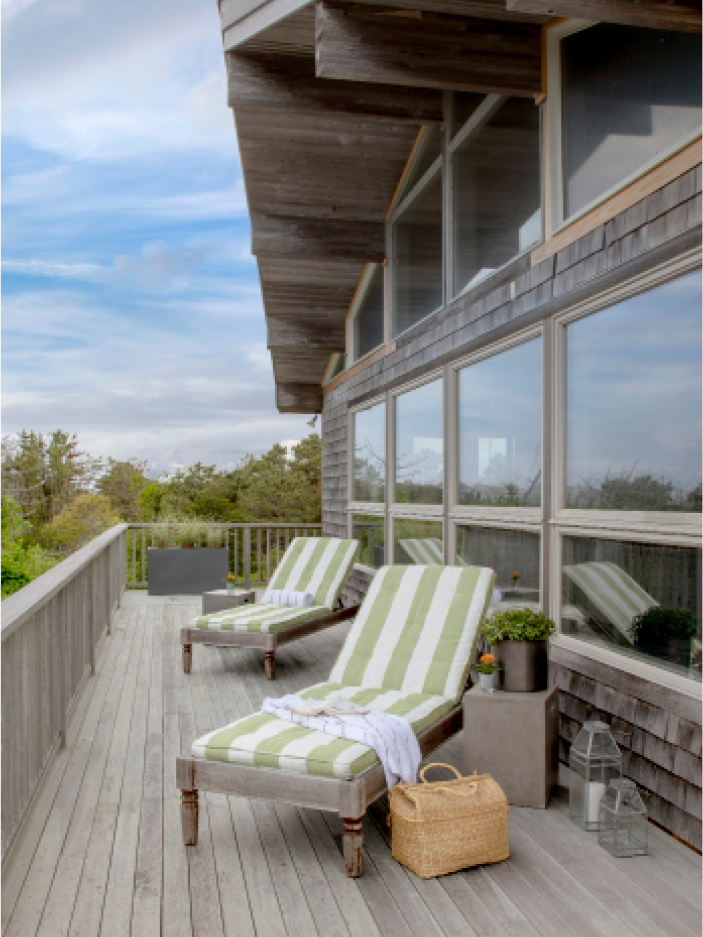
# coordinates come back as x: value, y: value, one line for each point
x: 423, y: 550
x: 608, y: 596
x: 262, y: 619
x: 264, y: 741
x: 416, y: 630
x: 319, y: 565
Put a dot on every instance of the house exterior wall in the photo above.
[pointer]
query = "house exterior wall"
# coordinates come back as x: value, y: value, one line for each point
x: 658, y: 728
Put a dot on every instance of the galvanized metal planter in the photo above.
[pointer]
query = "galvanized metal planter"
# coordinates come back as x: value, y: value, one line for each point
x: 524, y: 665
x: 179, y: 571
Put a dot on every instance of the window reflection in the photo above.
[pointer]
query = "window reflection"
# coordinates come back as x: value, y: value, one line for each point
x: 500, y: 428
x: 418, y: 543
x: 419, y: 445
x: 369, y: 530
x: 640, y: 599
x: 627, y: 95
x: 370, y: 454
x: 496, y: 192
x: 513, y: 554
x: 418, y: 258
x: 633, y: 403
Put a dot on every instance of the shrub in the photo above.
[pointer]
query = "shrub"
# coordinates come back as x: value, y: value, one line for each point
x: 518, y: 624
x: 658, y: 625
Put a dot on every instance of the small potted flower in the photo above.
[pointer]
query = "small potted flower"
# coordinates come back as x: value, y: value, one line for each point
x: 230, y: 582
x: 487, y: 667
x: 515, y: 580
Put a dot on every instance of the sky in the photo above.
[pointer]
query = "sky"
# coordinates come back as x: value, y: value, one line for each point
x: 132, y: 314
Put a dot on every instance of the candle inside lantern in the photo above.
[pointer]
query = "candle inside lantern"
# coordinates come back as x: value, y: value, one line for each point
x: 594, y: 794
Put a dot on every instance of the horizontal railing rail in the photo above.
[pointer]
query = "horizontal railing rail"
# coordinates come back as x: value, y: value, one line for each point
x: 50, y: 631
x: 254, y: 550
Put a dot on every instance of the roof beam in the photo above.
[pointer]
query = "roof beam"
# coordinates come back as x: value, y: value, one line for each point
x: 299, y: 398
x: 680, y: 15
x: 322, y: 238
x: 289, y: 83
x: 357, y: 42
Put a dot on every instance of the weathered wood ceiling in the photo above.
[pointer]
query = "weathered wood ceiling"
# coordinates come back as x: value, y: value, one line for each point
x: 328, y: 100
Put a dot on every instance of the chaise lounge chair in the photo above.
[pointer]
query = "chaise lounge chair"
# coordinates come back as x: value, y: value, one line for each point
x: 408, y: 653
x: 608, y: 597
x: 317, y: 565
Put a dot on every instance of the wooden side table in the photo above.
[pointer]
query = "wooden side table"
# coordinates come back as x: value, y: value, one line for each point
x: 514, y: 737
x: 219, y: 600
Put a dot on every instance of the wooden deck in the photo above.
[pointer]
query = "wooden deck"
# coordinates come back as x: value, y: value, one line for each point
x: 102, y: 854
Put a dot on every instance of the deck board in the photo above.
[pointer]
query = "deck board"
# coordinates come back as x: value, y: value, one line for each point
x: 101, y: 852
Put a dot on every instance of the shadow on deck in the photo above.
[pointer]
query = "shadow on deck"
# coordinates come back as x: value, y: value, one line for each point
x: 102, y: 853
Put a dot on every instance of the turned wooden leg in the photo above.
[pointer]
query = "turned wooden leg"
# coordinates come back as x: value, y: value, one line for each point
x: 270, y: 664
x: 189, y: 817
x: 352, y: 839
x: 187, y: 657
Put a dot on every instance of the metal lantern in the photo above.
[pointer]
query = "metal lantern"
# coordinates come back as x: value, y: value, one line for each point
x: 622, y: 828
x: 594, y: 761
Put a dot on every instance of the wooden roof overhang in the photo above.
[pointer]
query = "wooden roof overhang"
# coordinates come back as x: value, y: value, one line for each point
x: 328, y: 99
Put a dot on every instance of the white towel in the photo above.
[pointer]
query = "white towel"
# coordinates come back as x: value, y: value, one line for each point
x: 391, y: 737
x: 290, y: 598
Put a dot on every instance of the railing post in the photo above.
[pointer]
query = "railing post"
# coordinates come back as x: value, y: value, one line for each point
x: 246, y: 557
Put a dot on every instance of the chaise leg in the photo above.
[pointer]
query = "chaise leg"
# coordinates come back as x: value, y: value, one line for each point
x: 187, y: 657
x: 270, y: 664
x: 189, y: 817
x: 352, y: 839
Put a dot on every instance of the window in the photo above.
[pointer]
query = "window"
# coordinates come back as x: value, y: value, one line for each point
x: 370, y: 531
x: 628, y: 95
x: 500, y: 428
x: 418, y: 542
x: 367, y: 320
x: 417, y: 256
x: 639, y: 599
x: 633, y: 403
x: 496, y: 190
x: 369, y: 471
x: 419, y: 445
x: 513, y: 554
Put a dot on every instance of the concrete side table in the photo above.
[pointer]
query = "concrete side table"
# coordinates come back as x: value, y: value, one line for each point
x: 514, y: 737
x: 219, y: 600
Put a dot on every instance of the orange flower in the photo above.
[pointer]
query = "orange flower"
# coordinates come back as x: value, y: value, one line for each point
x: 230, y: 577
x: 487, y: 659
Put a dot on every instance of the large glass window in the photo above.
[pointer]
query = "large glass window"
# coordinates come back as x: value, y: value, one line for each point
x: 418, y: 542
x: 417, y: 258
x: 419, y: 445
x: 370, y: 531
x: 368, y: 320
x: 500, y: 428
x: 640, y: 599
x: 513, y: 554
x: 633, y: 403
x: 369, y: 482
x: 496, y: 192
x: 628, y: 94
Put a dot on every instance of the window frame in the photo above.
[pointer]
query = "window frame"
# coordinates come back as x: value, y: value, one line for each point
x: 364, y: 507
x: 553, y: 218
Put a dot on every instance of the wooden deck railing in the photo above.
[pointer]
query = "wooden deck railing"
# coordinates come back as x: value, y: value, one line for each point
x: 50, y: 631
x: 254, y: 549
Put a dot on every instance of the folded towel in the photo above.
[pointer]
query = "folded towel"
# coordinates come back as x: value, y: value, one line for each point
x: 391, y: 736
x: 291, y: 598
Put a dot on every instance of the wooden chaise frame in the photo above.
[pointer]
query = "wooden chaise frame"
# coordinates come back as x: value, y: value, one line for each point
x: 349, y: 799
x: 267, y: 641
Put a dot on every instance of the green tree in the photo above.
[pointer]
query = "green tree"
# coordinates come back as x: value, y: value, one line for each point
x: 277, y: 490
x: 21, y: 562
x: 123, y: 483
x: 85, y: 518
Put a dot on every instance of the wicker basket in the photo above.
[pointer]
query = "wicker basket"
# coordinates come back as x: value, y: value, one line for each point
x: 450, y: 825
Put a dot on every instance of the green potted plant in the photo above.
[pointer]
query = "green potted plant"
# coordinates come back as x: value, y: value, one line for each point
x: 665, y: 633
x: 179, y: 565
x: 519, y: 639
x: 487, y: 667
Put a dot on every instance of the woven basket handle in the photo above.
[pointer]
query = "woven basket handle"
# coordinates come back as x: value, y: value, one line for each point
x: 438, y: 764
